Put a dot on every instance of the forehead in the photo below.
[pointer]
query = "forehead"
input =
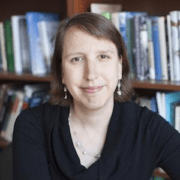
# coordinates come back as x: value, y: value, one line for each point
x: 77, y: 38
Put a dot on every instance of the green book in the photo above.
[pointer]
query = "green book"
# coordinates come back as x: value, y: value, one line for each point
x: 107, y: 15
x: 9, y: 45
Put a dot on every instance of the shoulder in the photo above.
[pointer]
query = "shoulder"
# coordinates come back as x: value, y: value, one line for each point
x: 36, y: 117
x: 141, y: 116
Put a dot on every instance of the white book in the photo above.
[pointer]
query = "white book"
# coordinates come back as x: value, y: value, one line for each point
x: 175, y: 44
x: 177, y: 118
x: 13, y: 115
x: 48, y: 31
x: 152, y: 74
x: 170, y: 48
x: 159, y: 103
x: 163, y: 51
x: 145, y: 102
x: 20, y: 44
x: 99, y: 8
x: 163, y: 104
x: 3, y: 49
x: 115, y: 19
x: 16, y: 43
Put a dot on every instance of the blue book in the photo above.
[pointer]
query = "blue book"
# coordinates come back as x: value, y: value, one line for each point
x: 157, y: 57
x: 171, y: 98
x: 154, y: 105
x: 38, y: 63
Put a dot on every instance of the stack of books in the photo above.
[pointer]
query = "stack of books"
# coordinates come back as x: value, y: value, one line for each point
x: 166, y: 104
x: 27, y: 43
x: 13, y: 100
x: 152, y: 44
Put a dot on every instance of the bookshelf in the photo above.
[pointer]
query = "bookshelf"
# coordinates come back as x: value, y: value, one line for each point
x: 69, y: 7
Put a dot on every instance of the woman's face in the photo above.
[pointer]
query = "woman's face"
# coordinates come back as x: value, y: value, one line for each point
x: 90, y: 69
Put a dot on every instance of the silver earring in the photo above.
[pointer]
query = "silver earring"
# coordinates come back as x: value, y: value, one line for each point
x: 65, y: 92
x: 119, y: 86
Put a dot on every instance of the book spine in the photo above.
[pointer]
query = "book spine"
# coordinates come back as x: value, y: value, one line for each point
x: 24, y: 45
x: 177, y: 118
x: 136, y: 48
x: 144, y: 47
x: 3, y: 49
x: 17, y: 105
x: 130, y: 37
x: 157, y: 57
x: 152, y: 74
x: 175, y: 44
x: 162, y: 42
x: 16, y: 44
x: 37, y: 61
x: 9, y: 46
x: 170, y: 53
x: 115, y: 19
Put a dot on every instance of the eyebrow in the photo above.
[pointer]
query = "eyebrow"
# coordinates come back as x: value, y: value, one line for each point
x: 101, y: 51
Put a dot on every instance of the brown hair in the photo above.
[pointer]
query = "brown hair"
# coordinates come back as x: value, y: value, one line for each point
x: 100, y: 27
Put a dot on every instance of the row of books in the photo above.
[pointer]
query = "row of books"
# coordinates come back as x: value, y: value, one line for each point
x: 166, y: 104
x: 152, y: 42
x: 14, y: 99
x: 27, y: 42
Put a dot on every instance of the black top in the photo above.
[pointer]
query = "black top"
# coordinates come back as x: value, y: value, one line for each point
x: 138, y: 140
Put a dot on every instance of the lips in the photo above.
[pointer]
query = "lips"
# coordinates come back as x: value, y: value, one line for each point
x: 93, y: 89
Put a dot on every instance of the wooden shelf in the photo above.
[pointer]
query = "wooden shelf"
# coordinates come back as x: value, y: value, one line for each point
x: 156, y: 85
x: 137, y: 84
x: 28, y: 78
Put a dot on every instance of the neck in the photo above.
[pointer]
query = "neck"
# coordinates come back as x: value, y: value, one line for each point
x: 96, y: 119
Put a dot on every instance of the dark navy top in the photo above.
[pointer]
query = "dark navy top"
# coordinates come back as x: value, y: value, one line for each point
x: 138, y: 140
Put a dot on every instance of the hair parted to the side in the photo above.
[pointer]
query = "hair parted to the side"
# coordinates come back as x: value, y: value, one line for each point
x: 100, y: 27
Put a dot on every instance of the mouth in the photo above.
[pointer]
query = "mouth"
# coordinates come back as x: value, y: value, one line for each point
x: 92, y: 89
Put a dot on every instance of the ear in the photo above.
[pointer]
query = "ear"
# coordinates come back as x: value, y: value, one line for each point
x: 120, y: 68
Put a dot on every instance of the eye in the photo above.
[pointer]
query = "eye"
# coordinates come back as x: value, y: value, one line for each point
x: 103, y: 56
x: 76, y: 59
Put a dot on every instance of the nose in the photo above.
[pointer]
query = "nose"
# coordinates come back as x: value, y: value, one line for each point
x: 91, y: 70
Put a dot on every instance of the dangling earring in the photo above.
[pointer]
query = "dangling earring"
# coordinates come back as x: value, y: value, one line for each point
x: 65, y: 92
x: 119, y: 86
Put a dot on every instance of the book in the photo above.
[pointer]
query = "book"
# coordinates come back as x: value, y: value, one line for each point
x: 157, y: 57
x: 126, y: 28
x: 38, y: 98
x: 8, y: 110
x: 20, y: 44
x: 3, y: 50
x: 48, y: 31
x: 170, y: 53
x: 38, y: 64
x: 4, y: 102
x: 130, y: 37
x: 100, y: 8
x: 159, y: 103
x: 8, y: 45
x: 171, y: 98
x: 177, y: 118
x: 175, y: 44
x: 176, y: 115
x: 136, y: 48
x: 16, y: 108
x: 163, y: 48
x: 144, y: 47
x: 115, y: 19
x: 145, y: 102
x: 154, y: 105
x: 152, y: 74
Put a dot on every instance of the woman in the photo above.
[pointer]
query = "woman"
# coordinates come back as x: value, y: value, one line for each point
x: 91, y: 130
